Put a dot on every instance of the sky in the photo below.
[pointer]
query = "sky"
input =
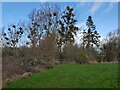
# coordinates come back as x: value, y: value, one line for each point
x: 60, y: 0
x: 104, y: 14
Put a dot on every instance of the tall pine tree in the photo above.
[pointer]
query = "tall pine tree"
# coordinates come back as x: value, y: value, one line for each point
x: 90, y: 36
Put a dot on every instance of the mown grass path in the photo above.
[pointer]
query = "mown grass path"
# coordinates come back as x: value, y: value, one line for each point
x: 72, y: 76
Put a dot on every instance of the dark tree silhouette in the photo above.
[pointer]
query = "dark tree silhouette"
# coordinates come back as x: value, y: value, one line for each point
x: 45, y: 22
x: 90, y: 36
x: 12, y: 36
x: 67, y: 28
x: 33, y: 34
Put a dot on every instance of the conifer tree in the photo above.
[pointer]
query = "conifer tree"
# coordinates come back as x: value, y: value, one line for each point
x: 90, y: 36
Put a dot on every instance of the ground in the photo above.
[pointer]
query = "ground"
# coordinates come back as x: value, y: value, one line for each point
x: 72, y: 76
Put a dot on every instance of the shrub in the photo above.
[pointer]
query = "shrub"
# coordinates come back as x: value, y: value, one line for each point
x: 6, y: 52
x: 85, y: 57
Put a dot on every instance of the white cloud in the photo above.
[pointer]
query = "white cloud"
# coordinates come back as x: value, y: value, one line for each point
x: 60, y: 0
x: 109, y: 7
x: 78, y: 37
x: 81, y: 25
x: 95, y: 7
x: 82, y: 3
x: 24, y: 0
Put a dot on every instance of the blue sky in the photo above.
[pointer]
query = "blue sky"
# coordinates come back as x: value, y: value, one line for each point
x: 105, y: 14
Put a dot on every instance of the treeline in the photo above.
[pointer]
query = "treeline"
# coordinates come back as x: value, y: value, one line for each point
x: 52, y: 29
x: 48, y: 39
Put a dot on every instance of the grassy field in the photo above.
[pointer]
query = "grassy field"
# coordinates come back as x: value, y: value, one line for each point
x: 72, y: 76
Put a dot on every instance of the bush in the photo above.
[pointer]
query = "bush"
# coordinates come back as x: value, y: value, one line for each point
x: 6, y: 52
x: 77, y: 54
x: 85, y: 57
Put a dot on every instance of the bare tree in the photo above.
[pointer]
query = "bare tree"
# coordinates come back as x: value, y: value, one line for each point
x: 67, y: 28
x: 12, y: 36
x: 111, y: 47
x: 44, y: 22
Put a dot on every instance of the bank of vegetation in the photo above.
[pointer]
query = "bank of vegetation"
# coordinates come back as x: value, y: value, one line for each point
x: 48, y: 38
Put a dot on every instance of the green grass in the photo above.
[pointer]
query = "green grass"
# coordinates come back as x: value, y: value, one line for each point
x: 72, y: 76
